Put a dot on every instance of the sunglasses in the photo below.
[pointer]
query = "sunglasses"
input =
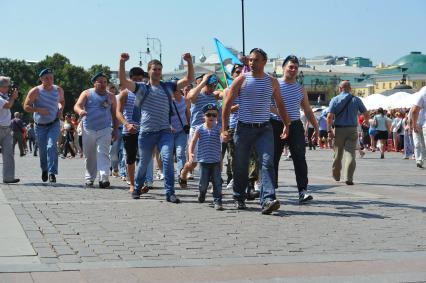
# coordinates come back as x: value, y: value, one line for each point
x: 214, y: 115
x: 260, y: 51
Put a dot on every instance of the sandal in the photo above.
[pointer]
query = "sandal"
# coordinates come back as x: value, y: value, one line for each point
x: 182, y: 182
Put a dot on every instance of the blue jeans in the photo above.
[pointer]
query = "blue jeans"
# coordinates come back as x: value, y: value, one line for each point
x: 47, y: 136
x: 262, y: 139
x: 408, y: 144
x: 211, y: 171
x: 181, y: 141
x: 116, y: 154
x: 164, y: 141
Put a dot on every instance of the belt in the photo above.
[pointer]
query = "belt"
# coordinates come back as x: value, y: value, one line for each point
x: 339, y: 126
x: 47, y: 124
x: 254, y: 125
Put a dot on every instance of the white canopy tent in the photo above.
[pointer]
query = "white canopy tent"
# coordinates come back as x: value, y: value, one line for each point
x: 375, y: 101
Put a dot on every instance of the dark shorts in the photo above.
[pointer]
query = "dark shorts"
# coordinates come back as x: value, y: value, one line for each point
x: 131, y: 147
x: 323, y: 134
x: 381, y: 135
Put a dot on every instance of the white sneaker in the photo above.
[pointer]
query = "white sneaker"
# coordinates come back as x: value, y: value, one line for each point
x: 161, y: 176
x: 230, y: 185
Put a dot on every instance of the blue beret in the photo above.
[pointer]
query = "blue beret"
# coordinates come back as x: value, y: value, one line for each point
x: 208, y: 107
x: 97, y: 75
x: 212, y: 80
x: 45, y: 72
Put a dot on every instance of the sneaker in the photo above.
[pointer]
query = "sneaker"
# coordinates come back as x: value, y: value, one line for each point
x: 52, y: 178
x: 136, y: 194
x: 349, y: 183
x: 240, y: 204
x: 230, y: 185
x: 218, y: 206
x: 115, y: 173
x: 419, y: 164
x: 104, y: 185
x: 201, y: 196
x: 13, y: 181
x: 89, y: 184
x: 270, y: 206
x: 161, y: 176
x: 361, y: 153
x: 173, y: 199
x: 44, y: 176
x: 304, y: 197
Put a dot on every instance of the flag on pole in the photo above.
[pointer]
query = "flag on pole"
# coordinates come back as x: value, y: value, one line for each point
x: 225, y: 55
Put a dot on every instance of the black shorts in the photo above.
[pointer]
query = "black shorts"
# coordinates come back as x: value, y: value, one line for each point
x: 131, y: 147
x: 382, y: 135
x: 323, y: 134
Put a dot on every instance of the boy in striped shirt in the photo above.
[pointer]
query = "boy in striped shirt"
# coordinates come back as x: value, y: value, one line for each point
x: 209, y: 154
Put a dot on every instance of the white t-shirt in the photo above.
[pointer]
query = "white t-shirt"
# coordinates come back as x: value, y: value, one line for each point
x: 5, y: 117
x: 421, y: 102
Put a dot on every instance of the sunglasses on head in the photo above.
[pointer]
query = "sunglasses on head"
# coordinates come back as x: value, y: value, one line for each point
x: 291, y: 58
x: 214, y: 115
x: 260, y: 51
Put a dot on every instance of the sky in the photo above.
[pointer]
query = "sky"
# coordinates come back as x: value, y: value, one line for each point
x: 92, y: 32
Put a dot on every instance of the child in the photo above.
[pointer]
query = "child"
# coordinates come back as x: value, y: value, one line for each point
x: 208, y: 155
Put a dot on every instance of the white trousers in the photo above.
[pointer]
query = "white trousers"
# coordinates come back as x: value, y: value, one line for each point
x: 419, y: 145
x: 96, y: 152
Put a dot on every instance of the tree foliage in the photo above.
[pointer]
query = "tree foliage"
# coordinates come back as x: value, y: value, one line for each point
x: 73, y: 79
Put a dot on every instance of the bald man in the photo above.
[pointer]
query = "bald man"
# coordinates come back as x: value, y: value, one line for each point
x: 343, y: 112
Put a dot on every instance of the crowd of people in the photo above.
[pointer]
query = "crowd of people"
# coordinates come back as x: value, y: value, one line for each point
x: 250, y: 125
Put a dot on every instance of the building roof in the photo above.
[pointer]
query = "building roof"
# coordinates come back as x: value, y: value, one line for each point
x: 413, y: 63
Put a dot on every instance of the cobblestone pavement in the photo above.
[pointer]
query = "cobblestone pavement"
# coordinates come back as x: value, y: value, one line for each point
x: 71, y: 228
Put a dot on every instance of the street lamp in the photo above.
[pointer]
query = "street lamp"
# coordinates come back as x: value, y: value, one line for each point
x: 153, y: 39
x: 242, y: 17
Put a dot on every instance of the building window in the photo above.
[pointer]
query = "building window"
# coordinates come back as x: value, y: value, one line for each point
x: 383, y: 85
x: 390, y: 85
x: 414, y: 84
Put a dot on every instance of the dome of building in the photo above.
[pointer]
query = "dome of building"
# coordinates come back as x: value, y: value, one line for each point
x: 414, y: 63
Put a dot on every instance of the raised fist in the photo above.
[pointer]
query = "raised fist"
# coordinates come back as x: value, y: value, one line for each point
x: 124, y: 56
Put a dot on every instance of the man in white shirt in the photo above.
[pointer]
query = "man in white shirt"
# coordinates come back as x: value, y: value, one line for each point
x: 419, y: 122
x: 6, y: 139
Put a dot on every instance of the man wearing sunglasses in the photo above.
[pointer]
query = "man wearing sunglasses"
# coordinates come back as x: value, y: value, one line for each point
x: 255, y: 90
x: 201, y: 95
x: 296, y: 98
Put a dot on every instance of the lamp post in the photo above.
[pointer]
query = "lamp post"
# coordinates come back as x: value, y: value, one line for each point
x: 153, y: 39
x: 242, y: 17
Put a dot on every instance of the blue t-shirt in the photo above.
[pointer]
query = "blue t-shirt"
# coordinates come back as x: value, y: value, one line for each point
x: 348, y: 116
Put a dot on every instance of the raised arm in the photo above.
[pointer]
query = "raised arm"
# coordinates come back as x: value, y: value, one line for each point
x: 124, y: 82
x: 192, y: 146
x: 193, y: 93
x: 189, y: 74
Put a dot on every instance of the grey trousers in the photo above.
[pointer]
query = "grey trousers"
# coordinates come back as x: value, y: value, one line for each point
x: 6, y: 142
x: 346, y: 140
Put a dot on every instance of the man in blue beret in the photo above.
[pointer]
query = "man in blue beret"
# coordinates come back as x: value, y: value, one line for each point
x: 47, y: 102
x: 96, y: 106
x: 153, y: 108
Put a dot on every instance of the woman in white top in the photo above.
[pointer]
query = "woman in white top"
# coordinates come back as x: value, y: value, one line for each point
x: 382, y: 125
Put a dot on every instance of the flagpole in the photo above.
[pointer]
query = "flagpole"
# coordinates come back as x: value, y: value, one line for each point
x: 242, y: 16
